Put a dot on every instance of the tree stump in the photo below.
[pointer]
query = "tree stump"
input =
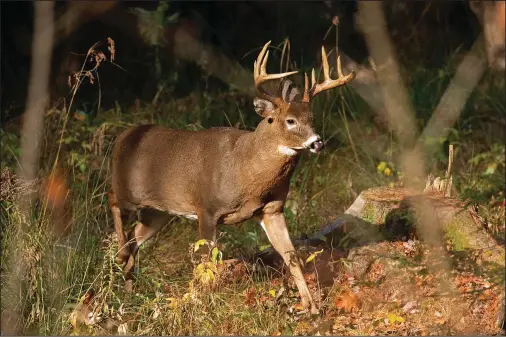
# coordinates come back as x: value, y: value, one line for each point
x: 387, y: 213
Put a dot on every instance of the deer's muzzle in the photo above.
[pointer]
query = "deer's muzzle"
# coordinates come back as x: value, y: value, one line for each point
x: 314, y: 144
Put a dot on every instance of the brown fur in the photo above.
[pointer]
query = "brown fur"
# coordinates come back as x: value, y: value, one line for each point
x: 219, y: 176
x: 163, y: 162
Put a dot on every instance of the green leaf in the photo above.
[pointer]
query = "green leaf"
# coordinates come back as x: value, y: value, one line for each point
x: 264, y: 247
x: 490, y: 169
x: 83, y: 167
x: 199, y: 243
x: 313, y: 256
x: 85, y: 145
x: 215, y: 253
x: 381, y: 166
x: 209, y: 275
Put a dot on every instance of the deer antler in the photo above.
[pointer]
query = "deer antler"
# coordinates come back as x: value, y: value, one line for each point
x: 328, y: 83
x: 260, y: 75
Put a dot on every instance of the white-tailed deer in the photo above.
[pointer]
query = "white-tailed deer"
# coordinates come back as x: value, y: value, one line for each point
x: 220, y: 175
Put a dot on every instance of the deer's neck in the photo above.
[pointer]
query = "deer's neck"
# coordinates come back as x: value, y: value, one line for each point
x: 263, y: 161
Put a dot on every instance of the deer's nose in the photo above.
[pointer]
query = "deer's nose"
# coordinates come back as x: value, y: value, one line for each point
x: 317, y: 146
x: 314, y: 144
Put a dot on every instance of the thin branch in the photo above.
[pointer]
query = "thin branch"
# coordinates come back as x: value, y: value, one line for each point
x: 31, y: 134
x: 401, y: 117
x: 468, y: 74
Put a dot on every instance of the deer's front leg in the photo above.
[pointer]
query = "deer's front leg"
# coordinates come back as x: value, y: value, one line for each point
x: 207, y: 229
x: 275, y: 227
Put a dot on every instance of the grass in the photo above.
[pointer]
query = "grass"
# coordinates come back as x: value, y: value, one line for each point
x: 60, y: 272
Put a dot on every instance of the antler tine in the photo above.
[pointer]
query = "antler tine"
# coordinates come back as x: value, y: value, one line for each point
x: 339, y: 69
x: 307, y: 88
x: 260, y: 68
x: 259, y: 59
x: 306, y: 97
x: 263, y: 65
x: 325, y: 62
x: 329, y: 83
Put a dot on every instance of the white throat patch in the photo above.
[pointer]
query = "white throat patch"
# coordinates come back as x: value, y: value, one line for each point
x: 286, y: 151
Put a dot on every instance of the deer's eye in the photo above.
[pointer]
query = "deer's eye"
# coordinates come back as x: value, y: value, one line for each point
x: 290, y: 122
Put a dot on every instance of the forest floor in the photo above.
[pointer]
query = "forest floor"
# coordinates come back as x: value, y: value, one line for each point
x: 394, y: 287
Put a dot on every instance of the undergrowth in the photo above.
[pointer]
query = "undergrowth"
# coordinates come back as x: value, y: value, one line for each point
x: 61, y: 274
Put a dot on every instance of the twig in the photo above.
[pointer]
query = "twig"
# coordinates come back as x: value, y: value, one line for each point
x: 448, y: 175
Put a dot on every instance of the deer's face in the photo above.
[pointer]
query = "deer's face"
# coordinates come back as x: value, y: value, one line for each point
x: 291, y: 125
x: 288, y: 113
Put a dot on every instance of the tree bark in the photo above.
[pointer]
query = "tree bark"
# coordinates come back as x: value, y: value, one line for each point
x: 32, y: 128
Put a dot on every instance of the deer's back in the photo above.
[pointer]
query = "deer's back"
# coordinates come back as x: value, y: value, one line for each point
x: 169, y: 169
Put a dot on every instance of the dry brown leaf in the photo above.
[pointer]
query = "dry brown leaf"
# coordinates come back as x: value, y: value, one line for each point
x: 347, y: 301
x: 298, y: 307
x: 440, y: 321
x: 249, y: 297
x: 81, y: 313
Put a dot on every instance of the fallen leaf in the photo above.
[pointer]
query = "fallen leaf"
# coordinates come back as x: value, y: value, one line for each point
x: 440, y: 321
x: 408, y: 306
x: 172, y: 302
x: 249, y: 296
x: 298, y: 307
x: 393, y: 318
x: 347, y: 302
x: 123, y: 329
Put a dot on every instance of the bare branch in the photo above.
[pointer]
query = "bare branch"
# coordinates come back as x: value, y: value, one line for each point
x: 396, y: 102
x: 400, y: 115
x: 42, y: 48
x: 468, y: 74
x: 31, y: 132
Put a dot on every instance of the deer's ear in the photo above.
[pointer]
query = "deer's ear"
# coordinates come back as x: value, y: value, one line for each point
x: 263, y: 107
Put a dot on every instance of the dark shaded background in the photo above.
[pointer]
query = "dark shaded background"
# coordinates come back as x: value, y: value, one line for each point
x: 424, y: 33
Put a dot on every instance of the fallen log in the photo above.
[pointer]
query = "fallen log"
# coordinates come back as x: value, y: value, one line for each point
x: 386, y: 213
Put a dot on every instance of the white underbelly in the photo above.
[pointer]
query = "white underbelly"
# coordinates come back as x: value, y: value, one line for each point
x: 191, y: 216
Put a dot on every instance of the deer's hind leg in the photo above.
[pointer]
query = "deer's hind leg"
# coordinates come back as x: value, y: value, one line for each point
x: 118, y: 217
x: 150, y: 223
